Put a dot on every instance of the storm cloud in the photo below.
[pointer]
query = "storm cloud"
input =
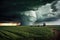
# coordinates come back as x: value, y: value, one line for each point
x: 49, y: 12
x: 28, y: 12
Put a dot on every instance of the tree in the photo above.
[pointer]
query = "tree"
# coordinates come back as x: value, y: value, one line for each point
x: 44, y: 24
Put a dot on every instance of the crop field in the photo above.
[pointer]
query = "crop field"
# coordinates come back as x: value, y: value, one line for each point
x: 27, y: 33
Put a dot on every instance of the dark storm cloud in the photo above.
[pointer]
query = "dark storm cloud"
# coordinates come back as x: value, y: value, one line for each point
x: 53, y: 6
x: 21, y: 5
x: 11, y: 9
x: 47, y: 19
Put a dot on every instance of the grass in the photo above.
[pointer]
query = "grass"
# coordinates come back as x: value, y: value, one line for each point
x: 26, y: 33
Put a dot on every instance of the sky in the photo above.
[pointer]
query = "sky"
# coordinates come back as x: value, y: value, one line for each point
x: 30, y: 12
x: 52, y: 18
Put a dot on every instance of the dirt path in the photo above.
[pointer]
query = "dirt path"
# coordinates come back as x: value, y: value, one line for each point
x: 56, y: 34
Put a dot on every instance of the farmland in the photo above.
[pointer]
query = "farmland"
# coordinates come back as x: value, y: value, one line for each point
x: 27, y: 32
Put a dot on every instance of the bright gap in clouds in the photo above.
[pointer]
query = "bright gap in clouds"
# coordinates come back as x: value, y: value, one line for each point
x: 50, y: 23
x: 53, y: 22
x: 9, y: 24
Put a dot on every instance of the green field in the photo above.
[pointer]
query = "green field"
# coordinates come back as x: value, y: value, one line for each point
x: 26, y: 33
